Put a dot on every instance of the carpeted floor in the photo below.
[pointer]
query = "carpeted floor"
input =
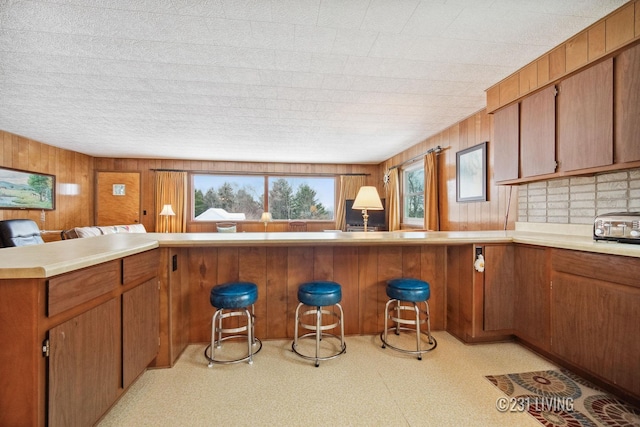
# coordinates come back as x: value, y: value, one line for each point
x: 367, y: 386
x: 559, y: 398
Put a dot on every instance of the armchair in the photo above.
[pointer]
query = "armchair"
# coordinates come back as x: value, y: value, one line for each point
x: 19, y: 232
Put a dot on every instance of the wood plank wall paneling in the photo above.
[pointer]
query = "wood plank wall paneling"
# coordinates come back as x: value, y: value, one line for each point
x: 74, y: 180
x: 454, y: 216
x: 362, y: 272
x: 147, y: 179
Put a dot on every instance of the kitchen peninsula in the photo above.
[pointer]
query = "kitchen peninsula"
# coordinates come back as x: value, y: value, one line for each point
x: 101, y: 295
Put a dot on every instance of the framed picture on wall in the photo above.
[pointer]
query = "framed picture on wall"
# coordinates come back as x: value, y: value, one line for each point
x: 471, y: 174
x: 27, y: 190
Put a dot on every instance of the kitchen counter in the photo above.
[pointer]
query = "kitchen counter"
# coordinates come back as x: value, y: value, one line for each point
x: 51, y: 259
x: 55, y: 258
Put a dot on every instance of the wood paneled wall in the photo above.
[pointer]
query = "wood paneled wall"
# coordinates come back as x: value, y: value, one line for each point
x: 278, y: 271
x: 73, y: 172
x: 146, y: 168
x: 454, y: 216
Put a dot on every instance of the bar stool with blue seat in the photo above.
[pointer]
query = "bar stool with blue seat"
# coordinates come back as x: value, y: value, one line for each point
x: 318, y: 296
x: 231, y: 300
x: 407, y: 294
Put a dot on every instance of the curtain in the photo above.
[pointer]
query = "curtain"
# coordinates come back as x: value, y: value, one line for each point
x: 393, y: 200
x: 431, y: 205
x: 171, y: 189
x: 349, y: 186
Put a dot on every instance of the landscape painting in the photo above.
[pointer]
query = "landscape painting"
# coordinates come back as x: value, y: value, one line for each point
x: 26, y: 190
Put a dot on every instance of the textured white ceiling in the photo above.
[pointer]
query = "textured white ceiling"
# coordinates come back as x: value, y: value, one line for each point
x: 321, y: 81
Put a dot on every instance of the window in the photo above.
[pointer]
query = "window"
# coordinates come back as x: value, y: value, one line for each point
x: 301, y: 198
x: 240, y: 197
x: 413, y: 194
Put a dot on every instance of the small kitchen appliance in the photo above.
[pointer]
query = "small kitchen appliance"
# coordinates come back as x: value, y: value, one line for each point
x: 622, y: 227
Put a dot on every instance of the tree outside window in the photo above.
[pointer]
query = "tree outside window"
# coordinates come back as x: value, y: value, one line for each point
x: 413, y: 194
x: 237, y: 198
x: 301, y: 198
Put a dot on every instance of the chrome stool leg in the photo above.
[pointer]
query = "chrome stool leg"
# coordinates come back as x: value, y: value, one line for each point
x: 317, y: 331
x: 396, y: 311
x: 217, y: 331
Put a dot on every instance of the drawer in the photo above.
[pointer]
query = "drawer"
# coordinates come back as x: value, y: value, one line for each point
x: 140, y: 267
x: 609, y: 268
x: 70, y: 290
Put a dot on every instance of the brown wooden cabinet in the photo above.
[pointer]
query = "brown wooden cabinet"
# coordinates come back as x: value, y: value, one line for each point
x: 480, y: 304
x: 578, y: 308
x: 538, y: 133
x: 498, y: 304
x: 595, y: 316
x: 84, y: 365
x: 77, y: 340
x: 585, y: 118
x: 506, y: 143
x: 627, y: 105
x: 532, y: 293
x: 140, y: 334
x: 174, y: 305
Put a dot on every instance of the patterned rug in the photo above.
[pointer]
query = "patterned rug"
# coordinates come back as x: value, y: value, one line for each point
x: 560, y: 398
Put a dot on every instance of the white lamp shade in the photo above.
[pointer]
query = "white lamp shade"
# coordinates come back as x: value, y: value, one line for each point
x: 266, y: 217
x: 368, y: 198
x: 167, y: 210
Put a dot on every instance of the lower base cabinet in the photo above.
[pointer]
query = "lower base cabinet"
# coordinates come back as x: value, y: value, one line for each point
x: 595, y: 315
x: 140, y: 336
x: 74, y: 342
x: 532, y: 294
x: 580, y: 309
x: 84, y: 366
x: 480, y: 303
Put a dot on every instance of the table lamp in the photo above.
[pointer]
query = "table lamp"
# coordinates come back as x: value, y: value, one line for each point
x: 266, y: 218
x: 367, y: 199
x: 166, y: 212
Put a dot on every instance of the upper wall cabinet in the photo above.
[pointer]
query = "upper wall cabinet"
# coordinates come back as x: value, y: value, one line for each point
x: 506, y: 143
x: 538, y: 133
x: 585, y: 118
x: 627, y: 105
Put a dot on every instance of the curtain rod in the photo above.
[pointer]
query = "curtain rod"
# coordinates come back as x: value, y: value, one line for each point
x: 259, y: 173
x: 437, y: 149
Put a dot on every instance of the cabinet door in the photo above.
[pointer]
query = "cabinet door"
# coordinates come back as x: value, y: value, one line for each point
x: 84, y: 366
x: 538, y: 133
x: 140, y: 329
x: 460, y: 291
x: 506, y: 144
x: 595, y: 327
x: 627, y: 105
x: 531, y: 295
x: 585, y: 118
x: 498, y: 287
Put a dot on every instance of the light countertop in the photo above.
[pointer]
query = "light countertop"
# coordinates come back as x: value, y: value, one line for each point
x: 50, y: 259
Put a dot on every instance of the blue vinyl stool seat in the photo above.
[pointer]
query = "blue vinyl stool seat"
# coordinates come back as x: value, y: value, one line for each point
x: 316, y: 295
x: 412, y: 292
x: 231, y: 300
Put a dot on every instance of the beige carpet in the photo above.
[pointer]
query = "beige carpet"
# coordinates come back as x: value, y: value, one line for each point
x: 367, y: 386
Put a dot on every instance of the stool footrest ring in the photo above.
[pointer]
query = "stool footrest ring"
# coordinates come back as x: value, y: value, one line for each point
x: 207, y: 351
x: 343, y: 347
x: 432, y: 345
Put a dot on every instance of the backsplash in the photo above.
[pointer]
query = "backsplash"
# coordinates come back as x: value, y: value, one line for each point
x: 577, y: 200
